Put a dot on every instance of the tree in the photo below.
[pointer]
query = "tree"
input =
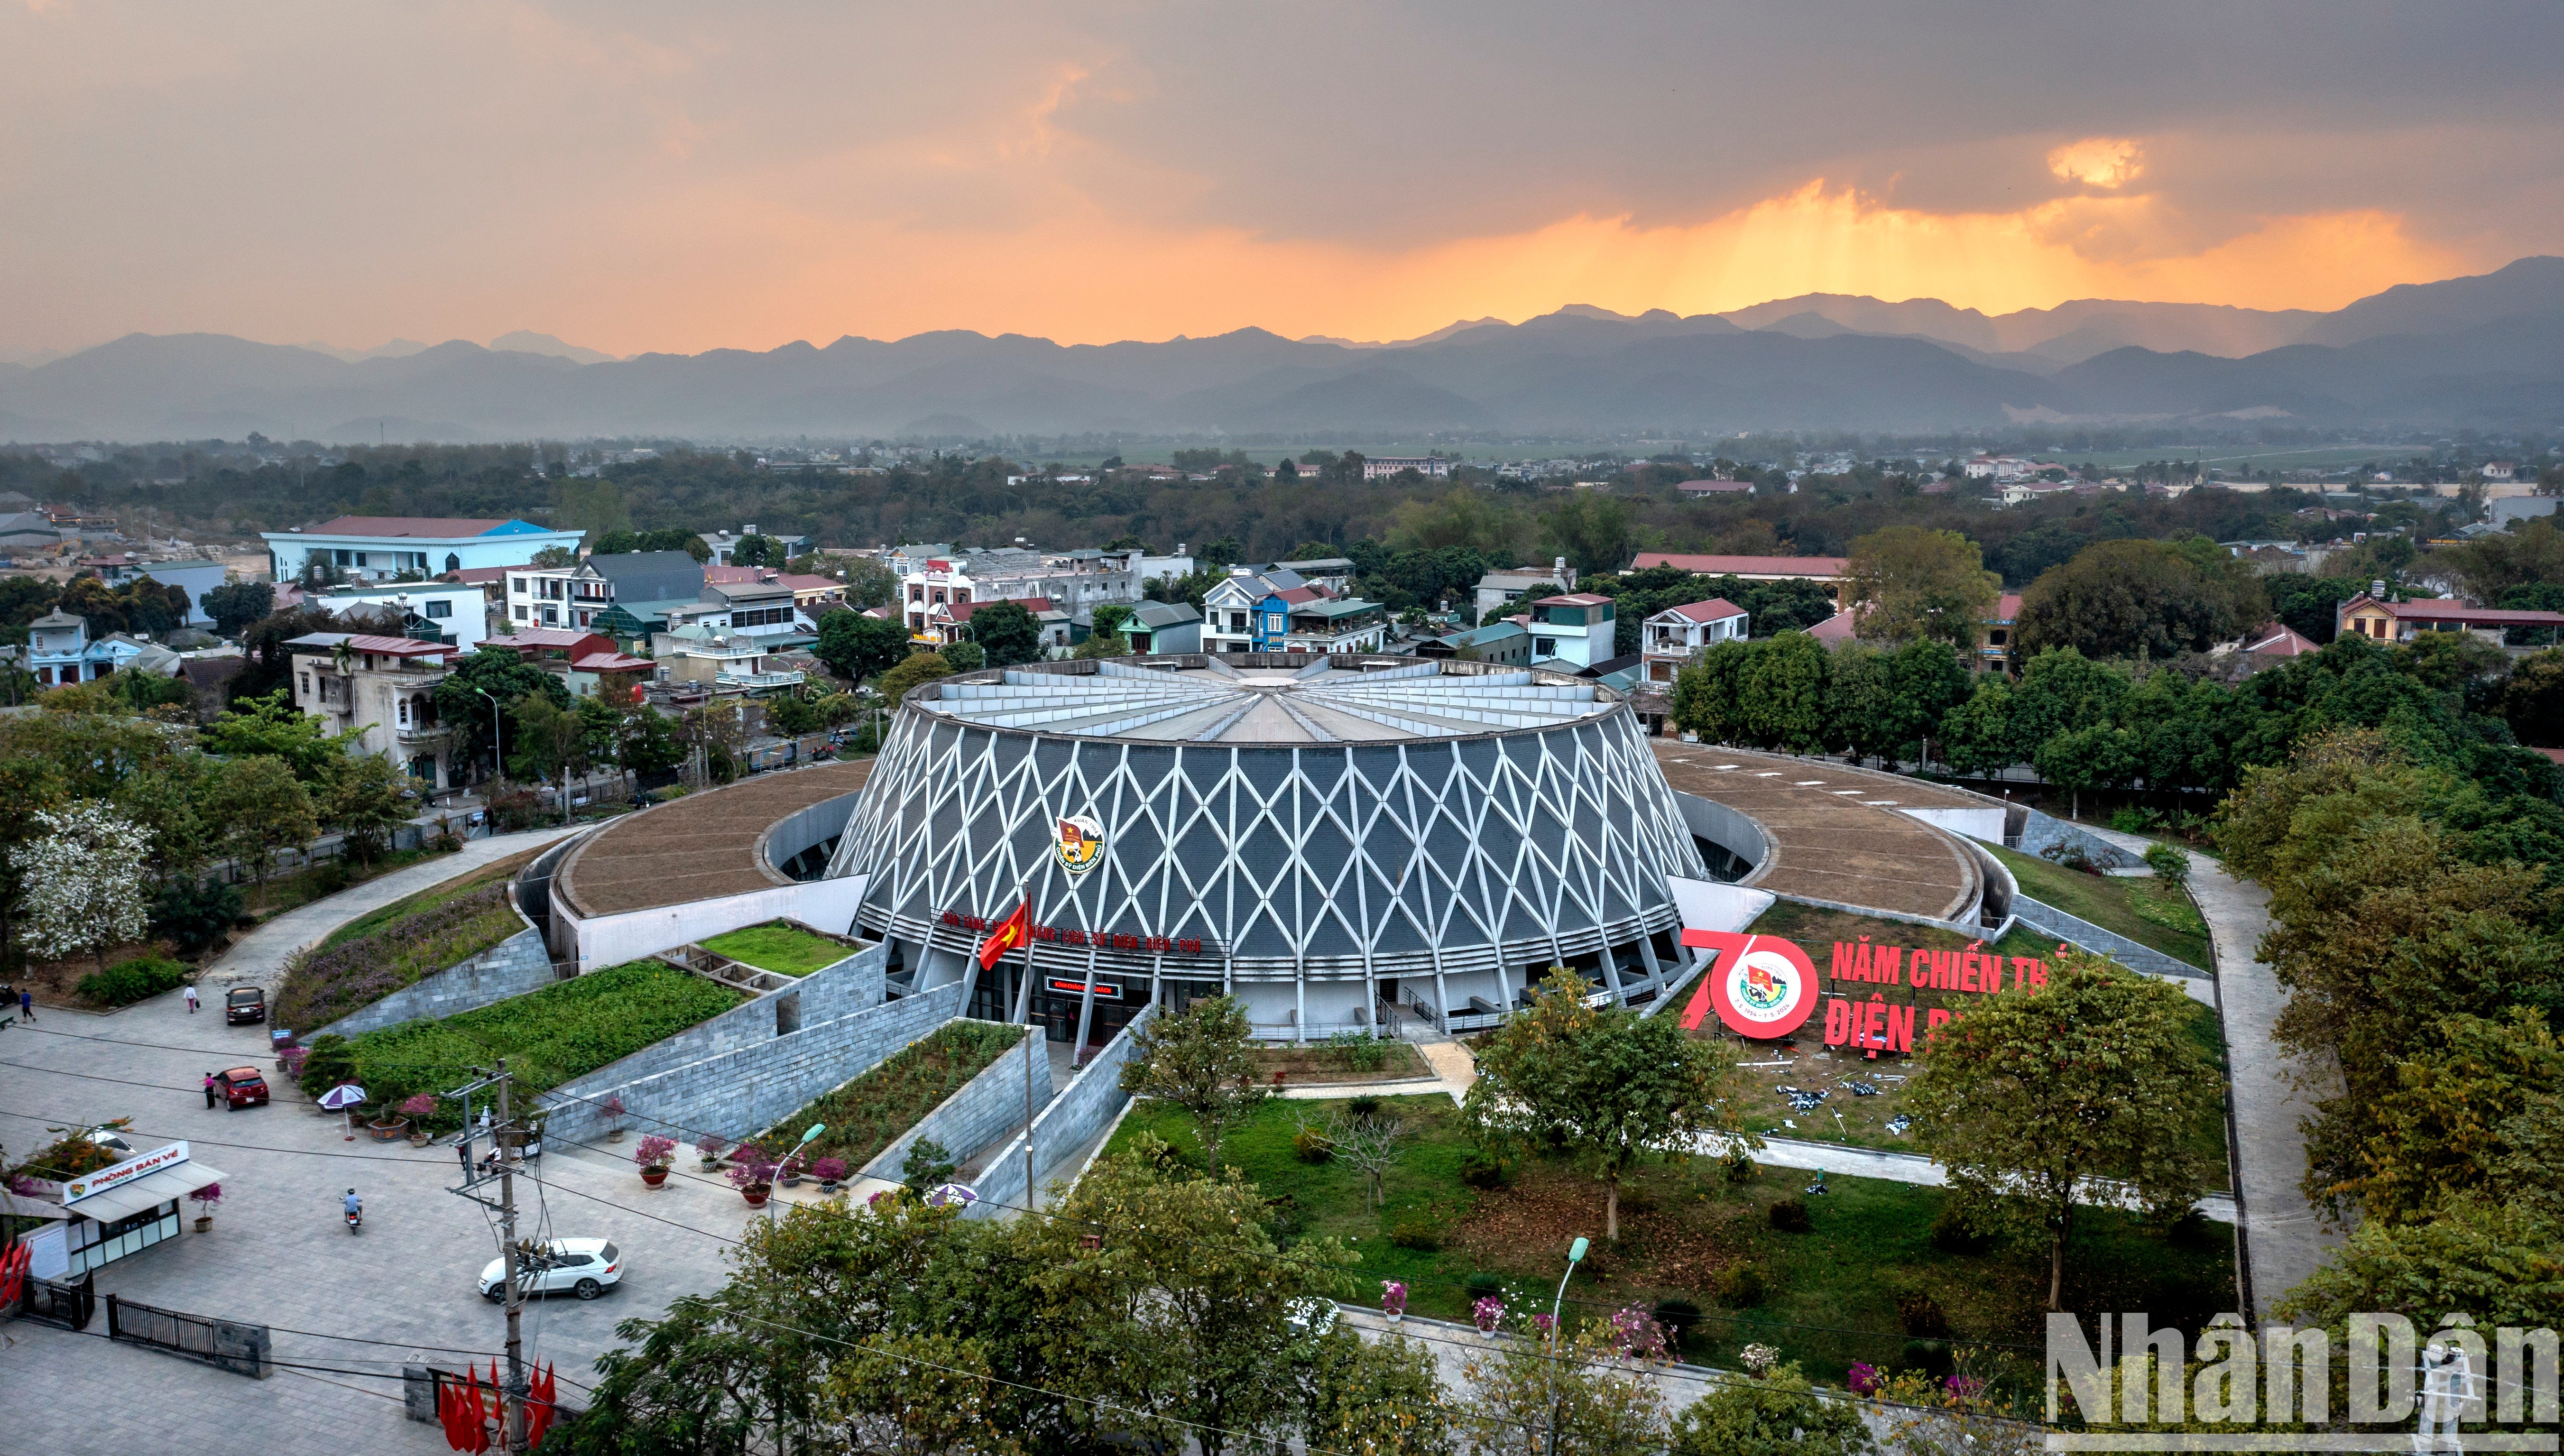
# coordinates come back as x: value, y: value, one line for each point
x: 1590, y: 529
x: 645, y: 743
x: 365, y: 799
x: 1530, y: 1397
x: 167, y: 800
x: 1201, y: 1060
x: 87, y: 886
x: 1380, y: 1397
x: 554, y: 557
x: 791, y: 715
x: 2494, y: 1261
x: 965, y: 657
x: 1008, y: 633
x: 550, y: 742
x: 921, y: 1394
x: 261, y: 807
x: 2446, y: 1128
x: 1777, y: 1415
x: 869, y: 584
x: 1783, y: 690
x: 2092, y: 757
x: 508, y: 679
x: 2032, y: 1093
x: 1109, y: 616
x: 2533, y: 700
x: 858, y: 647
x: 234, y: 605
x: 2141, y: 598
x: 916, y: 668
x: 1907, y: 582
x: 193, y: 916
x: 1370, y: 1146
x: 272, y: 728
x: 757, y: 550
x: 1611, y: 1086
x: 1102, y: 645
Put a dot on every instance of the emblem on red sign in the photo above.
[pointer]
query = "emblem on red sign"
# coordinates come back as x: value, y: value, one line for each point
x: 1762, y: 985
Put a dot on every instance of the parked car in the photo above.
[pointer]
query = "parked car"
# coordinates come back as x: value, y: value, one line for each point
x: 583, y: 1267
x: 243, y: 1004
x: 241, y: 1087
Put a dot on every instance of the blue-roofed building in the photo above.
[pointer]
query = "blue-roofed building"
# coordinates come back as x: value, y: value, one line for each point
x: 381, y: 547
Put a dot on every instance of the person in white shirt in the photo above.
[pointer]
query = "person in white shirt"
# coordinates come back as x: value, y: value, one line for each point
x: 2448, y: 1388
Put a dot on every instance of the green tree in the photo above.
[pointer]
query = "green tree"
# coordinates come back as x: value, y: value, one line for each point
x: 757, y: 550
x: 2142, y: 598
x: 1201, y: 1060
x: 2533, y: 700
x: 1380, y: 1398
x: 965, y: 657
x: 365, y: 799
x: 1907, y: 582
x: 1109, y: 616
x: 2095, y: 755
x: 1102, y: 645
x: 234, y: 605
x: 1783, y: 688
x: 167, y: 800
x: 646, y: 743
x: 555, y: 558
x: 1008, y: 633
x: 1528, y: 1399
x: 503, y: 676
x: 2444, y: 1128
x: 2031, y: 1094
x: 550, y: 741
x: 869, y: 584
x: 1777, y: 1415
x: 916, y: 668
x: 261, y: 807
x: 1709, y: 694
x: 858, y: 647
x: 272, y: 728
x: 915, y: 1395
x: 1611, y: 1086
x: 1590, y: 529
x: 2494, y: 1262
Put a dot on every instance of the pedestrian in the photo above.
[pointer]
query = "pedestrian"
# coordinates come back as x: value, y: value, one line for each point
x: 210, y: 1092
x: 26, y: 1006
x: 191, y: 998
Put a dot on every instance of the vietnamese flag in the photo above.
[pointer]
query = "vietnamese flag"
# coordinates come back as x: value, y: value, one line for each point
x: 1015, y: 929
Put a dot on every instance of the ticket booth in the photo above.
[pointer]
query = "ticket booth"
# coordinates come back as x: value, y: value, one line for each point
x: 126, y: 1208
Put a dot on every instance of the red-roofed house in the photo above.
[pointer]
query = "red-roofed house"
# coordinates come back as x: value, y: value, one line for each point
x: 386, y: 688
x: 2277, y: 640
x: 1672, y: 636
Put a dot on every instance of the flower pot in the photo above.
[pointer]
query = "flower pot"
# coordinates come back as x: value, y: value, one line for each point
x: 1395, y: 1316
x: 418, y: 1137
x: 654, y: 1176
x: 757, y: 1194
x: 392, y: 1131
x: 204, y: 1223
x: 614, y: 1134
x: 828, y: 1186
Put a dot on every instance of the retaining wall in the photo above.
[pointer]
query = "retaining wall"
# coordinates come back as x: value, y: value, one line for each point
x: 513, y: 967
x: 2040, y: 831
x: 611, y: 939
x: 746, y: 1084
x: 1077, y: 1116
x: 2048, y: 919
x: 989, y: 1107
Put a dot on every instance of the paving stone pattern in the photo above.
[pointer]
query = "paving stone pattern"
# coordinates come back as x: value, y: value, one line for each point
x: 511, y: 967
x: 989, y: 1107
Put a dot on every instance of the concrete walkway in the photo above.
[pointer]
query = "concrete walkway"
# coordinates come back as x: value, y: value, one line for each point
x: 259, y: 957
x: 2282, y: 1240
x: 1895, y: 1167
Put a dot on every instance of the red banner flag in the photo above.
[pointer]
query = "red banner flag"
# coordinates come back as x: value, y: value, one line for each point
x: 1015, y: 929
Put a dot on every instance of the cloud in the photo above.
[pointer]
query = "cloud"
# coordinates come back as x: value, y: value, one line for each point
x: 2097, y: 161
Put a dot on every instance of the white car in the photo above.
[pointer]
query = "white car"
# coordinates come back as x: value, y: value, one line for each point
x: 583, y: 1267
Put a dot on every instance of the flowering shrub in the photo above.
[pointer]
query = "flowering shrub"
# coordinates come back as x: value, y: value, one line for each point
x: 421, y: 1106
x: 1864, y: 1380
x: 829, y: 1170
x: 614, y: 1109
x: 1543, y: 1325
x: 293, y: 1058
x: 1488, y: 1313
x: 1758, y: 1357
x: 654, y: 1151
x: 1392, y: 1297
x: 326, y: 982
x: 750, y: 1166
x: 1636, y: 1335
x: 711, y: 1147
x: 207, y: 1196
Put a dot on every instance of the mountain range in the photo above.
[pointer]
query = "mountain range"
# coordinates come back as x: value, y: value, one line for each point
x: 2483, y: 351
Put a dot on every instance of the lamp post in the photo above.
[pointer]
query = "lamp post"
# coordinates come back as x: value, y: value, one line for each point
x: 1574, y: 1256
x: 498, y: 732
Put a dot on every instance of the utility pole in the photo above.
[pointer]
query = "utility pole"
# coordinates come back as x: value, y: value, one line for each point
x: 506, y: 1139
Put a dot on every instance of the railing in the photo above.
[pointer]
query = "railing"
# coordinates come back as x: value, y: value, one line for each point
x: 222, y: 1344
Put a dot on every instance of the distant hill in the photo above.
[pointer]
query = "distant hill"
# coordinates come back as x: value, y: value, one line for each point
x: 2484, y: 352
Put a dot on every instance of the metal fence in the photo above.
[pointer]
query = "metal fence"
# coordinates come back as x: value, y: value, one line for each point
x: 58, y: 1302
x: 223, y: 1344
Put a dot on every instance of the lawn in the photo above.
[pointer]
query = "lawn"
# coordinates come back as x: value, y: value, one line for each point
x: 866, y: 1115
x: 428, y: 899
x: 565, y: 1030
x: 1863, y: 1283
x: 2146, y: 911
x: 1847, y: 1115
x: 390, y: 948
x: 782, y: 948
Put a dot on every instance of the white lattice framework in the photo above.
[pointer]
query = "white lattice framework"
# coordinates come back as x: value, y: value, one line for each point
x: 1420, y: 819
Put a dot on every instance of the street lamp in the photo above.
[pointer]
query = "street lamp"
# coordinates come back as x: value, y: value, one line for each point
x: 1574, y: 1256
x: 498, y: 731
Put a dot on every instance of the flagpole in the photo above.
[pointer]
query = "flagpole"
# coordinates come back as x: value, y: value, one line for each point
x: 1023, y: 890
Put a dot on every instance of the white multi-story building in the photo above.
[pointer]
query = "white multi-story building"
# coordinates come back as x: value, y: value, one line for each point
x: 431, y: 611
x: 1576, y: 628
x: 1276, y: 611
x: 382, y: 547
x: 1671, y: 636
x: 1431, y: 467
x: 385, y: 687
x: 1075, y: 582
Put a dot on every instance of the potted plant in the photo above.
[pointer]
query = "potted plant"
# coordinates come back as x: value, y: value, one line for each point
x: 1393, y: 1299
x: 388, y: 1126
x: 1488, y: 1313
x: 653, y: 1156
x: 418, y: 1109
x: 830, y: 1171
x: 614, y: 1109
x: 751, y: 1172
x: 1758, y: 1359
x: 290, y: 1062
x: 710, y: 1149
x: 790, y: 1170
x: 206, y: 1198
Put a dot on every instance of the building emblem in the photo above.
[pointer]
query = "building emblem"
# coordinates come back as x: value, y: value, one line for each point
x: 1762, y: 986
x: 1081, y: 842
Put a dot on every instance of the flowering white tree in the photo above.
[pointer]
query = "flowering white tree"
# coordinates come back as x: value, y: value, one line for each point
x: 86, y: 889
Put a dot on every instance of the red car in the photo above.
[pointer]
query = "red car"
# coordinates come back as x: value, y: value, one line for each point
x: 241, y: 1087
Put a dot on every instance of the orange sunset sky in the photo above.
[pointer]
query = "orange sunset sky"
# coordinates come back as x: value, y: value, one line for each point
x: 665, y: 177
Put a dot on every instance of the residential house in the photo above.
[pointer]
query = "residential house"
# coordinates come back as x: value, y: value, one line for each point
x: 1162, y: 569
x: 724, y: 545
x: 1705, y: 489
x: 194, y: 577
x: 761, y: 609
x: 1825, y: 569
x: 2000, y: 652
x: 60, y: 652
x: 1163, y: 627
x: 381, y: 547
x: 1673, y: 636
x: 2368, y: 615
x: 1075, y: 582
x: 29, y: 534
x: 1431, y: 467
x: 586, y: 662
x: 705, y: 658
x: 1506, y: 643
x: 1322, y: 624
x: 1229, y: 607
x: 1056, y: 632
x: 2500, y: 472
x: 1335, y: 573
x: 385, y: 687
x: 908, y: 561
x: 1575, y: 630
x: 811, y: 594
x: 428, y: 612
x: 1504, y: 588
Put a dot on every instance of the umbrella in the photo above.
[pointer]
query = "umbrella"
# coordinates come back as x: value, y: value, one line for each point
x: 945, y: 1195
x: 345, y: 1095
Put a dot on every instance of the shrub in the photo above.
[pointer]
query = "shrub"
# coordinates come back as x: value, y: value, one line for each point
x: 329, y: 878
x: 195, y: 916
x: 654, y: 1152
x: 1953, y: 1234
x: 1416, y: 1231
x: 1359, y: 1051
x: 1483, y: 1285
x: 2169, y: 864
x: 1789, y: 1215
x: 829, y: 1170
x: 929, y: 1166
x: 517, y: 809
x: 1481, y: 1167
x: 2134, y: 820
x: 1313, y: 1146
x: 1931, y: 1357
x: 1921, y: 1314
x: 421, y: 1106
x: 1739, y: 1167
x: 139, y: 979
x: 1679, y: 1316
x: 1362, y: 1106
x: 329, y: 1061
x: 1741, y: 1285
x: 867, y: 1115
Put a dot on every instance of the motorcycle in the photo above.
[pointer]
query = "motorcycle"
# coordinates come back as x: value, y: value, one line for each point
x: 355, y: 1218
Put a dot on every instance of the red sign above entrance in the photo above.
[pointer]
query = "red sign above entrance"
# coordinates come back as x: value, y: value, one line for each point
x: 1078, y: 988
x: 1100, y: 940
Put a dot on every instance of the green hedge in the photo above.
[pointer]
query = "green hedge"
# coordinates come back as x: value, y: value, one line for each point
x: 139, y: 979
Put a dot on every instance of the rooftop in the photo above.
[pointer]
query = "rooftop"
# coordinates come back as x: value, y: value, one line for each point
x: 431, y: 527
x: 1201, y: 700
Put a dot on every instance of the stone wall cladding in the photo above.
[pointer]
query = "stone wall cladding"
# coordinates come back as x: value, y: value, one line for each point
x: 513, y: 967
x: 744, y: 1083
x: 989, y: 1107
x: 832, y: 991
x: 2048, y: 919
x: 2039, y: 832
x: 1078, y: 1115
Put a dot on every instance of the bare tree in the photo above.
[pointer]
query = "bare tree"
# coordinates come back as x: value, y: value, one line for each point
x: 1371, y: 1145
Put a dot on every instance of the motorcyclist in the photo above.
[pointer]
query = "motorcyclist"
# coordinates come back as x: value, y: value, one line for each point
x: 354, y: 1205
